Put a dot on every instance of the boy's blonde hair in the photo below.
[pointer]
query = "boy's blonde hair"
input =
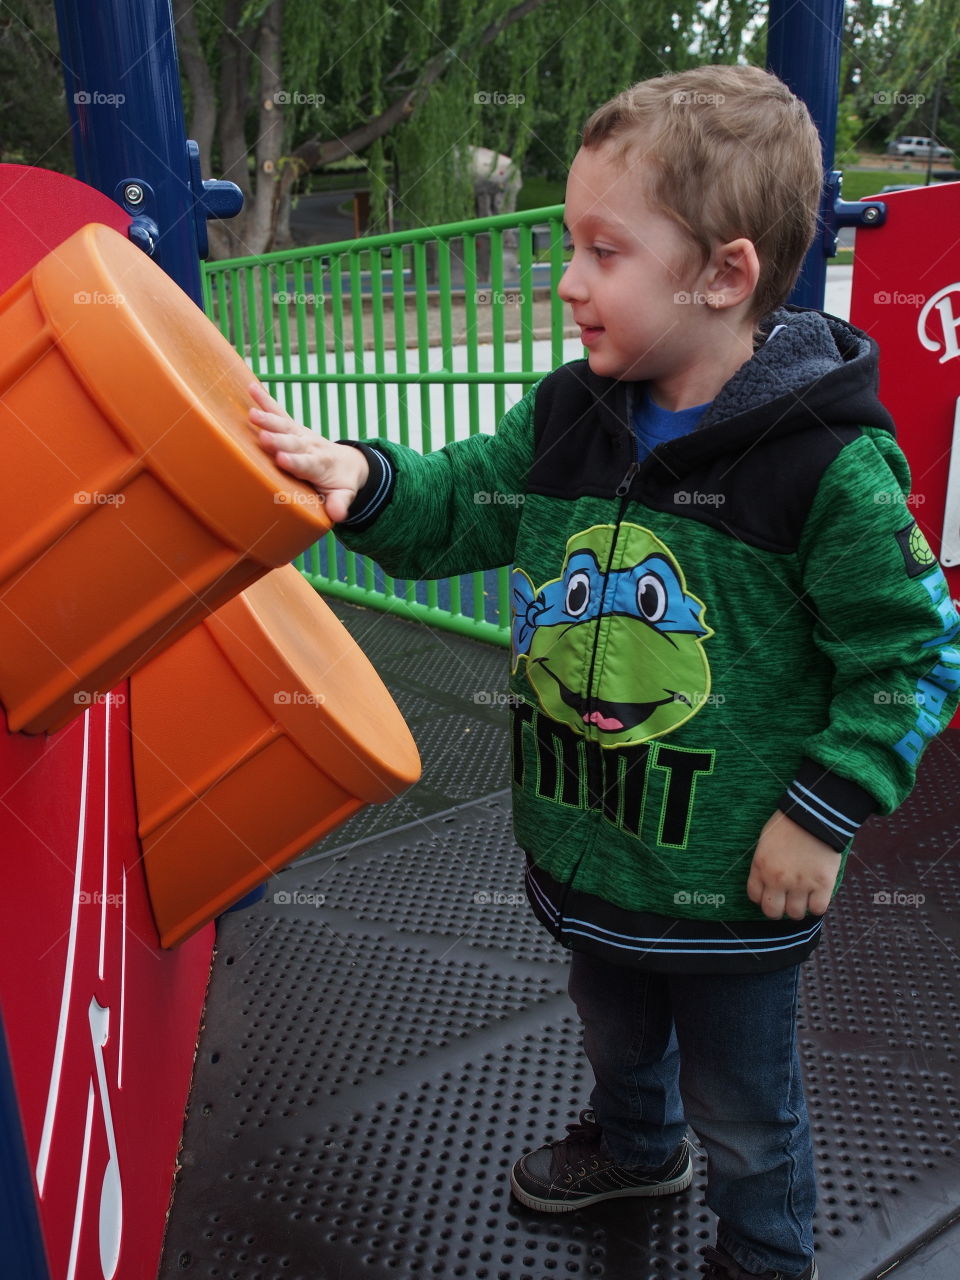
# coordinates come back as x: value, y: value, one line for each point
x: 729, y: 152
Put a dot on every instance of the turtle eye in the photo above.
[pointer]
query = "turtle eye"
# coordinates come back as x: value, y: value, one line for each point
x: 578, y: 594
x: 651, y: 598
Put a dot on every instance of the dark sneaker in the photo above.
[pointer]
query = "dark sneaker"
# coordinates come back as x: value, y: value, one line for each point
x: 720, y: 1266
x: 576, y: 1171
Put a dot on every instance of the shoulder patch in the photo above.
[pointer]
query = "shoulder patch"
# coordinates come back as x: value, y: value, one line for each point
x: 917, y: 556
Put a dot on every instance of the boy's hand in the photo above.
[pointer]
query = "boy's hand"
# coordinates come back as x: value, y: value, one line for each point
x: 792, y: 872
x: 337, y: 471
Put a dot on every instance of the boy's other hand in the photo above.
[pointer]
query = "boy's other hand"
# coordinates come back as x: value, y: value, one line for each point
x: 337, y: 471
x: 793, y: 872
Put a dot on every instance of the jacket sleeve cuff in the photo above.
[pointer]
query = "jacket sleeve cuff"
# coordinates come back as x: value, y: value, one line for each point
x: 828, y: 806
x: 376, y: 492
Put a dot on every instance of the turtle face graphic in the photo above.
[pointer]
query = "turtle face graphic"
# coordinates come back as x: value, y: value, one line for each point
x: 634, y: 623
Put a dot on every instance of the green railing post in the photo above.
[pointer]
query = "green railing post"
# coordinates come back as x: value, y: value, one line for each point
x: 343, y: 283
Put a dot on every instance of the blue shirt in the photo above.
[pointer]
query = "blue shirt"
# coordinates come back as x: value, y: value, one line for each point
x: 653, y: 425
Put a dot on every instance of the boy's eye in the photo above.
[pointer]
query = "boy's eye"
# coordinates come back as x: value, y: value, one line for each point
x: 599, y: 252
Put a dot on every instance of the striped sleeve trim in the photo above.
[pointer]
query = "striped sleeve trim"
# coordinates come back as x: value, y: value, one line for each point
x: 828, y: 806
x: 377, y: 491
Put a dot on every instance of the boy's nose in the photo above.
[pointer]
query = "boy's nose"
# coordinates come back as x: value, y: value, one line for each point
x: 570, y: 285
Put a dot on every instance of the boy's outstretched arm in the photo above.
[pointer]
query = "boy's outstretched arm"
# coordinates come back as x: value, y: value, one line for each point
x: 336, y: 471
x: 793, y: 872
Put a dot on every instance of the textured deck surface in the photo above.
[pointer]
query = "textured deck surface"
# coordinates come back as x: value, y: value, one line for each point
x: 389, y: 1030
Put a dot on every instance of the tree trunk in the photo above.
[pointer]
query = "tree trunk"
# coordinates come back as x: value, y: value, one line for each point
x: 266, y: 201
x: 283, y: 236
x: 234, y: 62
x: 203, y: 117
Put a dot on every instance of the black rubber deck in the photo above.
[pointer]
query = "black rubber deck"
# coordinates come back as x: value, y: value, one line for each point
x: 389, y: 1030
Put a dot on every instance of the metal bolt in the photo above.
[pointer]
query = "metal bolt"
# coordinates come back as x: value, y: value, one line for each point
x: 871, y: 214
x: 133, y: 193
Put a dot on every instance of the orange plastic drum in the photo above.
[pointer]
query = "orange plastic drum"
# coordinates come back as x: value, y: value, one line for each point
x: 254, y: 735
x: 134, y: 497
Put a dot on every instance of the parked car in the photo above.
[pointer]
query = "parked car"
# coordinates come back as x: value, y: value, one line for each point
x: 913, y: 146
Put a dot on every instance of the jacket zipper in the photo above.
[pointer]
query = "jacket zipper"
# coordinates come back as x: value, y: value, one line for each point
x: 623, y: 488
x: 621, y: 491
x: 594, y: 766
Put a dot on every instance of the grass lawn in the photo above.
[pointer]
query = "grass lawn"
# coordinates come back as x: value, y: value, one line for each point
x: 858, y: 183
x: 537, y: 193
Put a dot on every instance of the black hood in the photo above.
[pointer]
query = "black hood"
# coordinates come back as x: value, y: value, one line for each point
x: 810, y: 369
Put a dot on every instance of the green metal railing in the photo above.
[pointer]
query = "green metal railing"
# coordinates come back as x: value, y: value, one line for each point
x: 420, y: 337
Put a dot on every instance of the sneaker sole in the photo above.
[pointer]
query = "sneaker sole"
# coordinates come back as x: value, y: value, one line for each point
x: 670, y: 1188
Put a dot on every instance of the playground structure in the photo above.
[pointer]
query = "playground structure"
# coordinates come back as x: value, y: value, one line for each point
x: 101, y: 1017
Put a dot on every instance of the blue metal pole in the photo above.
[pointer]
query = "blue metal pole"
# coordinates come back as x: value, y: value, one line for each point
x: 23, y: 1253
x: 123, y: 93
x: 803, y: 49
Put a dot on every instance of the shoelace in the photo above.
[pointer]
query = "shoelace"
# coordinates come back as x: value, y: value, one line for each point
x: 579, y: 1146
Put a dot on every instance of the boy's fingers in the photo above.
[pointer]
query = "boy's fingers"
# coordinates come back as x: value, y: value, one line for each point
x: 796, y: 904
x: 263, y: 397
x: 283, y: 441
x: 754, y: 888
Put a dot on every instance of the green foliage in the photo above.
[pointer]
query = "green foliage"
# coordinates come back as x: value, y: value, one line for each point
x: 345, y: 64
x: 849, y: 131
x: 33, y: 111
x: 895, y: 57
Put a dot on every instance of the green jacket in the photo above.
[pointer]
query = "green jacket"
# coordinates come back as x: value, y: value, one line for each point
x: 748, y: 620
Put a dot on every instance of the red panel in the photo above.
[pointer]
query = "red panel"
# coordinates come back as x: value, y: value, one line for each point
x: 77, y: 938
x: 102, y: 1024
x: 39, y: 210
x: 906, y: 295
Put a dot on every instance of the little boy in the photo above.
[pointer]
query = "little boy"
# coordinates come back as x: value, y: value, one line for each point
x: 731, y: 643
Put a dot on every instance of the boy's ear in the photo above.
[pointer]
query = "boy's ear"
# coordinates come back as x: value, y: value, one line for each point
x: 732, y: 274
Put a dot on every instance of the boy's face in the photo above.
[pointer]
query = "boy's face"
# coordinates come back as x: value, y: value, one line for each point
x: 632, y: 279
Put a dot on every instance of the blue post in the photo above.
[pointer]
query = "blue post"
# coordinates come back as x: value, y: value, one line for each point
x: 123, y: 93
x: 803, y: 49
x: 23, y: 1253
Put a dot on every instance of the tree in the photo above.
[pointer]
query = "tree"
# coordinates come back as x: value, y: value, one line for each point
x: 281, y: 88
x: 894, y: 59
x: 35, y: 127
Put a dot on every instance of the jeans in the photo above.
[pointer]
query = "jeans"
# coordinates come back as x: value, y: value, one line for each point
x: 717, y: 1052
